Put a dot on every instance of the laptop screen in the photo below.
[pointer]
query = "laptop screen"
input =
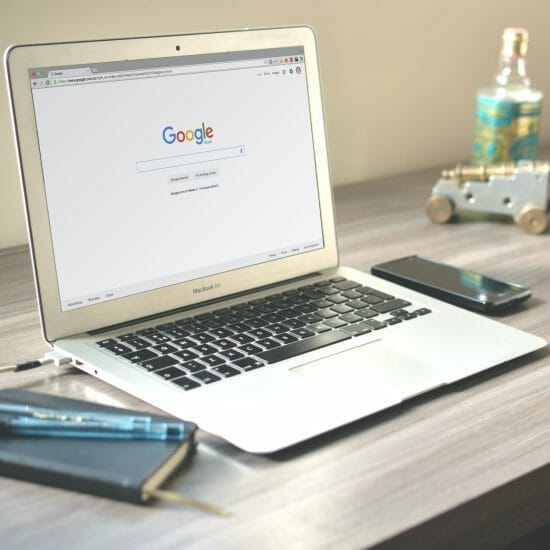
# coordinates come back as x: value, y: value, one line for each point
x: 162, y: 171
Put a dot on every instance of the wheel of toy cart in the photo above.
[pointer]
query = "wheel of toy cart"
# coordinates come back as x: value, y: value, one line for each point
x: 533, y: 220
x: 439, y: 209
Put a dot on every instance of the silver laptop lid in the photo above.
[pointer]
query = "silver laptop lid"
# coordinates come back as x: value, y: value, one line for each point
x: 161, y: 172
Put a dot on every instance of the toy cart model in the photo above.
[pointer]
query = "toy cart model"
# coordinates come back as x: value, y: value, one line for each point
x: 517, y: 189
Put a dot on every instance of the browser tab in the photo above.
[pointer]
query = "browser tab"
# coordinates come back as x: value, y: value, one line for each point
x: 58, y: 73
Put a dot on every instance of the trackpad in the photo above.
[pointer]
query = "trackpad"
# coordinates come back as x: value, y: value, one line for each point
x: 371, y: 368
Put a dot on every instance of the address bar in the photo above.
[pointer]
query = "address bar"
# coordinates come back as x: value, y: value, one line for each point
x: 168, y: 71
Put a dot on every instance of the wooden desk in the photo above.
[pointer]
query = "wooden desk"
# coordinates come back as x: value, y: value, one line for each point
x: 467, y: 464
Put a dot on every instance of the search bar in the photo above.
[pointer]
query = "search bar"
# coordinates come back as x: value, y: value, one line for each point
x: 211, y: 155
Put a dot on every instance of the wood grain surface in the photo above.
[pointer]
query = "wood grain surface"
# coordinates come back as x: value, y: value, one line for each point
x: 467, y: 465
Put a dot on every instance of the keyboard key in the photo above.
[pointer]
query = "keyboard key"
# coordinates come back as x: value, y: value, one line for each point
x: 176, y: 333
x: 213, y: 360
x: 337, y: 299
x: 184, y: 322
x: 303, y: 346
x: 124, y: 337
x: 393, y: 321
x: 206, y: 376
x: 372, y: 323
x: 422, y: 311
x: 342, y: 308
x: 186, y: 383
x: 371, y: 299
x: 335, y: 323
x: 250, y: 363
x: 268, y: 343
x: 205, y: 316
x: 170, y: 373
x: 242, y: 338
x: 366, y: 312
x: 239, y: 327
x: 226, y: 371
x: 326, y: 313
x: 286, y: 338
x: 166, y: 326
x: 158, y: 338
x: 337, y: 279
x: 352, y: 294
x: 107, y: 342
x: 158, y: 363
x: 186, y: 355
x: 214, y: 323
x: 294, y: 323
x: 118, y: 349
x: 356, y: 304
x: 309, y: 319
x: 356, y: 330
x: 328, y: 290
x: 322, y: 283
x: 277, y: 328
x: 322, y: 304
x: 232, y: 354
x: 203, y: 337
x: 137, y: 343
x: 318, y: 327
x: 250, y: 349
x: 350, y: 318
x: 390, y: 306
x: 140, y: 355
x: 184, y: 343
x: 221, y: 332
x: 195, y: 328
x: 193, y: 366
x: 224, y: 344
x: 164, y: 349
x: 147, y: 331
x: 346, y: 285
x: 274, y: 317
x: 205, y: 349
x: 303, y: 333
x: 257, y: 323
x: 259, y: 333
x: 374, y: 292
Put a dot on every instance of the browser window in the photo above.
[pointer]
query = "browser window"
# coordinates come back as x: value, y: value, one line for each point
x: 173, y: 169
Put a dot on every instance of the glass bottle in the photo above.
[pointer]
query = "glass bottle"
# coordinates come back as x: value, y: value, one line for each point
x: 508, y: 113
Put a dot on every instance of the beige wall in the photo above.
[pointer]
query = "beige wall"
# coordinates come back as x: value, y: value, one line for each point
x: 399, y: 76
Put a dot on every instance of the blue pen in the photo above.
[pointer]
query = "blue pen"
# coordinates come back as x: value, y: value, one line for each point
x: 89, y: 429
x: 47, y: 413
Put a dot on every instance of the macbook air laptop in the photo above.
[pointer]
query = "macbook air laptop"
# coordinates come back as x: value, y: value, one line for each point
x: 181, y: 224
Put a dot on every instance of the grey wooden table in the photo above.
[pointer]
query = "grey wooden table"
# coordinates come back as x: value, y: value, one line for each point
x: 463, y: 465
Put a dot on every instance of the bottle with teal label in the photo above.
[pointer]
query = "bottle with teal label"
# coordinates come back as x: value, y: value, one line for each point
x: 508, y: 114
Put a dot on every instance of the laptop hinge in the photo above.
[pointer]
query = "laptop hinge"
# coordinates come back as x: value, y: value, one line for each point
x: 200, y: 304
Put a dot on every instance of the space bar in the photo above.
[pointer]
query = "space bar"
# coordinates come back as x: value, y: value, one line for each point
x: 303, y: 346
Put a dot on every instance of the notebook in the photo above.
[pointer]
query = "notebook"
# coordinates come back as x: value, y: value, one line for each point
x: 180, y: 216
x: 129, y: 470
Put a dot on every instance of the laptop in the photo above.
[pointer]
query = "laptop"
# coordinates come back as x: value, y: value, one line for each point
x: 180, y: 216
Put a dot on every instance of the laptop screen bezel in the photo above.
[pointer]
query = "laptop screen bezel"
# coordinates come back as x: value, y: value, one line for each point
x: 57, y: 323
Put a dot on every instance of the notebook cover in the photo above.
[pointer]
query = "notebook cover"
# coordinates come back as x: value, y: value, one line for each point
x: 110, y: 468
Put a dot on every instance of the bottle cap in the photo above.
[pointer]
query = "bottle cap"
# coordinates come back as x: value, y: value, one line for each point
x: 514, y: 42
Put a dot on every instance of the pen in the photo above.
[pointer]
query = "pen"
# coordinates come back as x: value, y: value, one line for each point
x: 47, y: 413
x: 87, y: 429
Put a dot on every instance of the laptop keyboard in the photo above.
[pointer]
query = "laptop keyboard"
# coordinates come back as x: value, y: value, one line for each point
x: 206, y: 348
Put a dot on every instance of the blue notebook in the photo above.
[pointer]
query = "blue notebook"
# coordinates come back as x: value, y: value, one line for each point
x: 120, y: 469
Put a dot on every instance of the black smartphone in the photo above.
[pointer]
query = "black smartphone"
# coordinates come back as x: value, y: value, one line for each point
x: 461, y: 287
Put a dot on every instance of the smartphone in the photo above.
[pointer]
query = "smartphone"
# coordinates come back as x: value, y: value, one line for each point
x: 461, y: 287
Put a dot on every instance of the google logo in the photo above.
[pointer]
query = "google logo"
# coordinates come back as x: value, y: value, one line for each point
x: 198, y: 135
